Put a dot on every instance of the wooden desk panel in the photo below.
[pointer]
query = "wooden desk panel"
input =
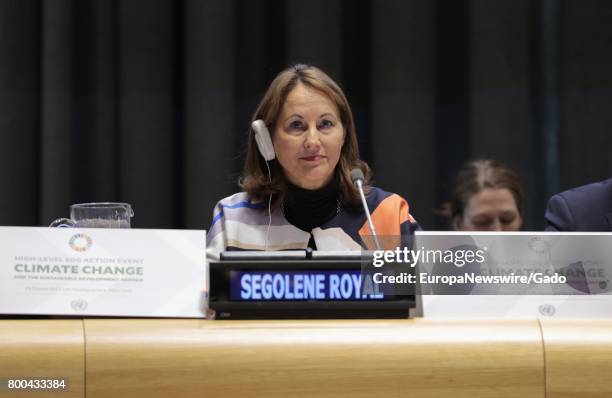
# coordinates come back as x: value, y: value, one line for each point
x: 419, y: 358
x: 43, y: 349
x: 423, y: 358
x: 578, y: 358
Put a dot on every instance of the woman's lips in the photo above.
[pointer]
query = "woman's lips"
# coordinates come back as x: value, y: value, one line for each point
x: 313, y: 158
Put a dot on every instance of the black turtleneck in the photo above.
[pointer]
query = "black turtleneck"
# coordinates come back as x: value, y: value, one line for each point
x: 308, y: 209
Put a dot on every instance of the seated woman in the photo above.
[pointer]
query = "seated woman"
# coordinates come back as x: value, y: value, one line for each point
x: 486, y: 196
x: 304, y: 197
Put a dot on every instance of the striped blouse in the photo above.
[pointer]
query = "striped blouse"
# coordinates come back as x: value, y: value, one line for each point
x: 239, y: 223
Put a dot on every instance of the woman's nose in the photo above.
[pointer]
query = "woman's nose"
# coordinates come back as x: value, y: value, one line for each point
x: 496, y: 225
x: 312, y: 142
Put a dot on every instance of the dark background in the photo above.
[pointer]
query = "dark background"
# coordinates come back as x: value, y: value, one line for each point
x: 148, y: 102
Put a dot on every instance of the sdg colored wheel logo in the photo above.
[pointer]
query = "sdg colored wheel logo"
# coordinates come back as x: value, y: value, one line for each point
x: 80, y: 242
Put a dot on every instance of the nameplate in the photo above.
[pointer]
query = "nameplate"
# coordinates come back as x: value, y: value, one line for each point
x: 292, y: 285
x: 102, y: 272
x: 300, y: 285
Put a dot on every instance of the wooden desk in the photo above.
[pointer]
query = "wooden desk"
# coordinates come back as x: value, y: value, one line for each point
x: 578, y: 358
x: 362, y: 358
x: 43, y: 349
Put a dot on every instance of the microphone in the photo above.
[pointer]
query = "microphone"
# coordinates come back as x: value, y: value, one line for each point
x: 357, y: 178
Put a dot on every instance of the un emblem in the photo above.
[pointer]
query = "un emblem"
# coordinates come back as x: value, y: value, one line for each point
x: 547, y: 309
x: 79, y: 305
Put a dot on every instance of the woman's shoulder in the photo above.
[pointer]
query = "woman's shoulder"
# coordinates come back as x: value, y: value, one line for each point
x: 376, y: 196
x: 240, y: 200
x: 389, y: 203
x: 239, y: 209
x: 235, y: 207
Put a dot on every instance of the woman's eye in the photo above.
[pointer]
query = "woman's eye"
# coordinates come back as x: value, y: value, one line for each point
x: 325, y: 124
x: 296, y: 125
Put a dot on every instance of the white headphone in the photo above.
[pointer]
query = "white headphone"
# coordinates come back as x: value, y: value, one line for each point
x: 264, y: 143
x: 263, y: 140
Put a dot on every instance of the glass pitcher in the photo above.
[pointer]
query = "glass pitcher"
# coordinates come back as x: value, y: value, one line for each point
x: 97, y: 215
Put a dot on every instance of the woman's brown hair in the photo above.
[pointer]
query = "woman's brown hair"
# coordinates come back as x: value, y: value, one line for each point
x: 255, y: 179
x: 477, y: 175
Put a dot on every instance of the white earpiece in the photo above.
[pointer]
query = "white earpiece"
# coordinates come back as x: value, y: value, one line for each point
x: 263, y: 140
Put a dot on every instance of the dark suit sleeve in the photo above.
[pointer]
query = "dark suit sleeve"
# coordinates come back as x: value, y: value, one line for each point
x: 558, y: 215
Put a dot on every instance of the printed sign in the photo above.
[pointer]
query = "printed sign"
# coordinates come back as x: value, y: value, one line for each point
x: 575, y: 271
x: 102, y: 272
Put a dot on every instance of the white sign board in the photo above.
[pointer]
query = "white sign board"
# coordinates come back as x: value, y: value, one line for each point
x: 103, y: 272
x: 517, y: 307
x: 562, y: 251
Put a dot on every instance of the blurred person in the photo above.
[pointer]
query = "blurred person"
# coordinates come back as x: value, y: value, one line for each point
x: 486, y: 196
x: 297, y: 191
x: 585, y: 208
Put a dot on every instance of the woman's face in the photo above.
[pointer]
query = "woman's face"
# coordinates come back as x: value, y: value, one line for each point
x: 492, y: 209
x: 308, y: 137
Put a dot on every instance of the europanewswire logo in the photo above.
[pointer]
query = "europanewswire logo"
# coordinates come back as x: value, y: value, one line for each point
x: 80, y: 242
